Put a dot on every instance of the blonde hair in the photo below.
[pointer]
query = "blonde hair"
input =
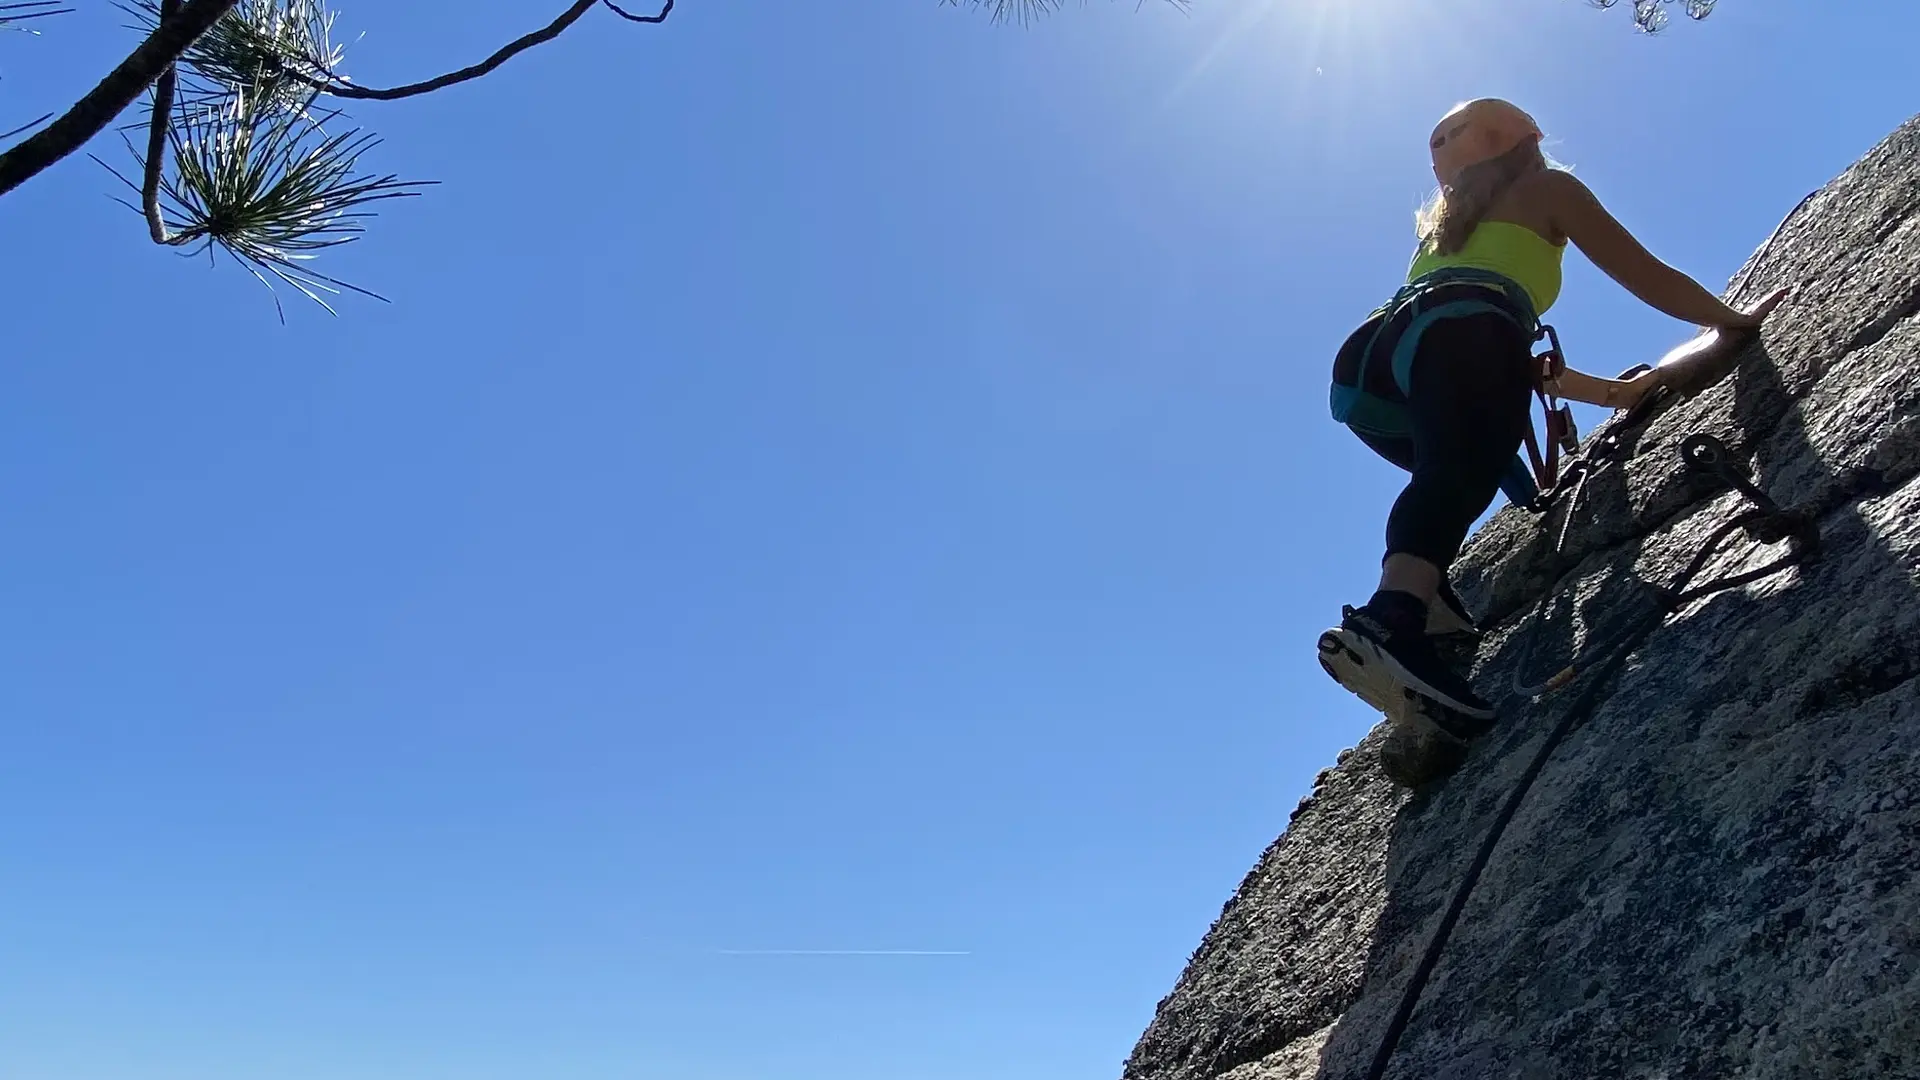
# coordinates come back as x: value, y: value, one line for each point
x: 1450, y: 216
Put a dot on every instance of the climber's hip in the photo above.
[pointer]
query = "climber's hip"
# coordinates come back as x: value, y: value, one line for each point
x: 1458, y: 429
x: 1437, y: 379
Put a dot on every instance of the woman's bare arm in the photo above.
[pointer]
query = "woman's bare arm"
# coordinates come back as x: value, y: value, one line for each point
x: 1625, y: 393
x: 1578, y: 214
x: 1606, y: 393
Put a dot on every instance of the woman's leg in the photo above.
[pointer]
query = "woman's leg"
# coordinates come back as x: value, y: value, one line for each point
x: 1395, y: 450
x: 1471, y: 385
x: 1469, y: 412
x: 1447, y: 613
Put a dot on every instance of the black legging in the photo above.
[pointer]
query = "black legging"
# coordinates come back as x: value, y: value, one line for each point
x: 1471, y: 380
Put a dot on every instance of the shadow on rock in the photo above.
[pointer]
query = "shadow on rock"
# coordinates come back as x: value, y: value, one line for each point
x: 1649, y: 911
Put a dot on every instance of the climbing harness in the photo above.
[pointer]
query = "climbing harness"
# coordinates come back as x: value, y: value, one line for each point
x: 1765, y: 522
x: 1535, y: 482
x: 1362, y: 395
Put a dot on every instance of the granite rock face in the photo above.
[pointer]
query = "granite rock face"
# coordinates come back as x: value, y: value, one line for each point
x: 1717, y: 874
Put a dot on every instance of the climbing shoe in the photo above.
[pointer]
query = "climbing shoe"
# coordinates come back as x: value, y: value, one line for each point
x: 1448, y: 614
x: 1396, y: 669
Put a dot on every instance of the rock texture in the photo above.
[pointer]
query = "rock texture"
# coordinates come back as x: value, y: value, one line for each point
x: 1715, y: 875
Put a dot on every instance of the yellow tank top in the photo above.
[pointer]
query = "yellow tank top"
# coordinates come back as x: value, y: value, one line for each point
x: 1513, y: 251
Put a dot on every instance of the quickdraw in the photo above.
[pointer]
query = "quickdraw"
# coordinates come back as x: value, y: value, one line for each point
x: 1556, y: 417
x: 1697, y: 364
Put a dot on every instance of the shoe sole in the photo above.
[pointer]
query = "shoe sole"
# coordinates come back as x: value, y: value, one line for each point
x: 1373, y: 676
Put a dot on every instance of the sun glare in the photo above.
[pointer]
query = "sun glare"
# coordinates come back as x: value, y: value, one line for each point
x: 1338, y: 62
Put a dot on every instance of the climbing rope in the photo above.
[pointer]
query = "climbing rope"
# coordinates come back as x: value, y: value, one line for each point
x: 1765, y: 522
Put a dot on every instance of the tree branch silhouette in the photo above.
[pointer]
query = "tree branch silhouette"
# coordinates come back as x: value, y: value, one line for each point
x: 333, y: 87
x: 92, y: 113
x: 157, y: 138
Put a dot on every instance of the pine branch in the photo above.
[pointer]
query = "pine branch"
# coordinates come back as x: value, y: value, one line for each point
x: 335, y: 87
x: 1650, y: 16
x: 260, y: 45
x: 30, y: 9
x: 631, y: 17
x: 26, y: 127
x: 157, y: 138
x: 271, y: 188
x: 92, y: 113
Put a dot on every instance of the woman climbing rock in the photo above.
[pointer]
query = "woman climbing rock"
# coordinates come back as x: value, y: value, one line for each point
x: 1438, y: 381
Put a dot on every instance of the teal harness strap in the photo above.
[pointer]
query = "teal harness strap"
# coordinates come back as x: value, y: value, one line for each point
x: 1377, y: 416
x: 1404, y: 349
x: 1374, y: 415
x: 1519, y: 308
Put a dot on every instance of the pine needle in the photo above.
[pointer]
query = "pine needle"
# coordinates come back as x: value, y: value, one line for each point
x: 271, y: 188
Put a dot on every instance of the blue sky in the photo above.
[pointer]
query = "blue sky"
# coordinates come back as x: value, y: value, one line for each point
x: 828, y: 479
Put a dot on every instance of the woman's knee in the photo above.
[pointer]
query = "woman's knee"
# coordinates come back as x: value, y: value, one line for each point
x: 1431, y: 517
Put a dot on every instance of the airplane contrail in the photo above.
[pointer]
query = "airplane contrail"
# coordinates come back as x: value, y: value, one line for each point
x: 844, y: 952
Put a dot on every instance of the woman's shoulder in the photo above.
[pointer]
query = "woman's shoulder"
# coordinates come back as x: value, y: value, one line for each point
x: 1551, y: 189
x: 1538, y: 200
